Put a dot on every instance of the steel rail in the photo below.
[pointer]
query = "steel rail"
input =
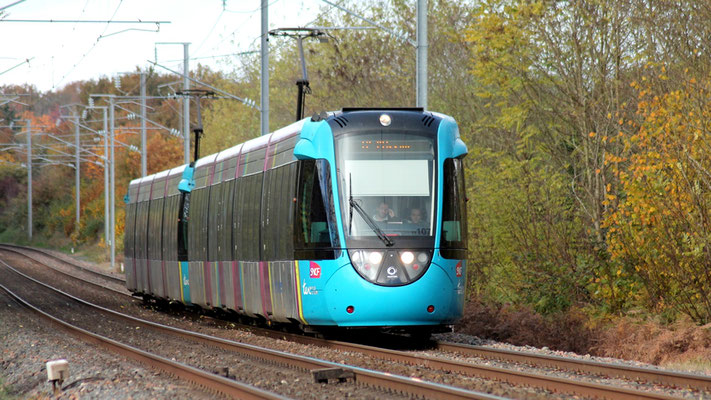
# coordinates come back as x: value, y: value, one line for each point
x: 672, y: 378
x: 110, y: 277
x: 553, y: 384
x: 127, y: 294
x: 368, y: 377
x: 186, y: 372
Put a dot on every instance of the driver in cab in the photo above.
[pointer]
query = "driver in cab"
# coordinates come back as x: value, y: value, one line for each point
x: 384, y: 213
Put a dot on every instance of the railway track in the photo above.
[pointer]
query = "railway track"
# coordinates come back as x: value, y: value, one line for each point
x: 670, y: 378
x: 19, y: 249
x: 22, y: 251
x: 186, y: 372
x: 673, y: 379
x: 375, y: 379
x: 550, y: 383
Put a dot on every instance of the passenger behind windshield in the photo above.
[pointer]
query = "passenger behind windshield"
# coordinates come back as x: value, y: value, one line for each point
x: 415, y: 217
x: 384, y: 213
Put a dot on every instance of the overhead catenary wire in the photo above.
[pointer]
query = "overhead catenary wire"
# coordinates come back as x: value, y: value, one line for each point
x: 54, y: 85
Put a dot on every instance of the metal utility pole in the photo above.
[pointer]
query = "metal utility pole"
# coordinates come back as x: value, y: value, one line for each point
x: 28, y: 124
x: 107, y: 215
x: 422, y: 53
x: 420, y: 45
x: 77, y: 180
x: 113, y: 185
x: 265, y: 68
x: 143, y: 124
x: 186, y: 102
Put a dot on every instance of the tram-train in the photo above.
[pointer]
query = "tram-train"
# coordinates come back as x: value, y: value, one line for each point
x: 314, y: 224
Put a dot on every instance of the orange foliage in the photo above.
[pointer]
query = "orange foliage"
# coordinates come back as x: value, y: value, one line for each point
x: 660, y: 228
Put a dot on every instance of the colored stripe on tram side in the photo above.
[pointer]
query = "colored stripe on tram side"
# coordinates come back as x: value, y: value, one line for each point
x: 184, y: 282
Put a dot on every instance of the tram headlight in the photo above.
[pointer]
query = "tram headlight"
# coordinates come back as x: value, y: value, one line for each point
x: 407, y: 257
x: 375, y: 257
x: 367, y: 263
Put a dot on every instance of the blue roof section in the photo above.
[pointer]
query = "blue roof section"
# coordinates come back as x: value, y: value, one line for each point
x: 450, y: 142
x: 316, y: 141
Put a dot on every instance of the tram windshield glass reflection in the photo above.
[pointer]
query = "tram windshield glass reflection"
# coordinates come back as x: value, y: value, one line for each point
x: 391, y: 177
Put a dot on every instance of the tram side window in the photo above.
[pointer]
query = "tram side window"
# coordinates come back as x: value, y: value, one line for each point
x: 315, y: 233
x: 183, y: 223
x: 197, y: 237
x: 277, y: 212
x: 128, y: 238
x: 225, y: 236
x: 453, y: 242
x: 141, y: 230
x: 247, y: 199
x: 155, y: 223
x: 169, y: 232
x: 214, y: 221
x: 238, y: 219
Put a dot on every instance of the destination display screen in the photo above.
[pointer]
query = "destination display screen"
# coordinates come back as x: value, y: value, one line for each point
x: 394, y: 145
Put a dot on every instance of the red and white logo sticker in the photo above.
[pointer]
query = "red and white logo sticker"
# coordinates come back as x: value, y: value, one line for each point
x: 458, y: 269
x: 314, y: 270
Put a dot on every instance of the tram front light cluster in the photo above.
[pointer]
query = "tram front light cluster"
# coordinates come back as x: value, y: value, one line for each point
x: 390, y: 267
x: 367, y: 262
x: 408, y: 258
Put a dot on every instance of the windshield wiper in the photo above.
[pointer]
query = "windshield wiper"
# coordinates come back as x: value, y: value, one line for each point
x: 368, y: 220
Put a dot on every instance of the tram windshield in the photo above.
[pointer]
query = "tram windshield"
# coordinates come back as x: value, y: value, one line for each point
x: 387, y: 185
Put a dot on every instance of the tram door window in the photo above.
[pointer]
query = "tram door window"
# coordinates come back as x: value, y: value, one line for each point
x: 315, y: 232
x: 454, y: 217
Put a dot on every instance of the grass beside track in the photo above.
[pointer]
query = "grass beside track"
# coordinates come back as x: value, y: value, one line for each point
x: 5, y: 391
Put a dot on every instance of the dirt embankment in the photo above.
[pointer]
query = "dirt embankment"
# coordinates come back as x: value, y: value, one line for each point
x: 681, y: 345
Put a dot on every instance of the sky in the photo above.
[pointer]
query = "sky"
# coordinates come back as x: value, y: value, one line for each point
x: 60, y: 53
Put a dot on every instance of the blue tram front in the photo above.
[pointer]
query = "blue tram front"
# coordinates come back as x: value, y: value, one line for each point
x: 353, y: 219
x: 396, y: 185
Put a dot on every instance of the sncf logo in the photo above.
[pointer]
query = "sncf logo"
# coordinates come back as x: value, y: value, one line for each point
x: 458, y: 269
x: 314, y: 270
